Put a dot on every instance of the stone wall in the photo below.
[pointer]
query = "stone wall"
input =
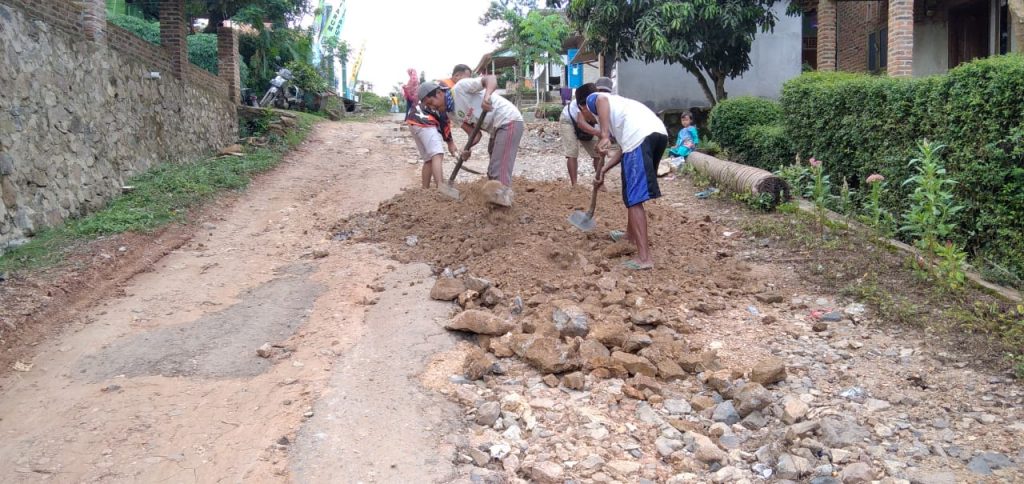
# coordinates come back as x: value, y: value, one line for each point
x: 78, y: 115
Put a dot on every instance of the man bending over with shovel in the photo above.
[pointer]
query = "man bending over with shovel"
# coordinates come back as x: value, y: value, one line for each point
x: 643, y: 139
x: 503, y: 123
x: 430, y: 128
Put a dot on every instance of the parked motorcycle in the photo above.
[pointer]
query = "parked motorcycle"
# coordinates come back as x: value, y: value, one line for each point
x: 282, y: 93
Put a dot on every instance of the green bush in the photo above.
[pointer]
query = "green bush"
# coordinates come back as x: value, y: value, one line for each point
x: 147, y: 30
x: 550, y: 112
x: 374, y: 103
x: 861, y: 124
x: 202, y: 51
x: 307, y: 78
x: 730, y: 118
x: 765, y: 146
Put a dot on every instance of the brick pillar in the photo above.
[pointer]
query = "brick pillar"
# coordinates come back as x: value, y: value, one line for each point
x: 1017, y: 30
x: 172, y: 34
x: 827, y: 35
x: 901, y: 38
x: 94, y: 19
x: 228, y: 65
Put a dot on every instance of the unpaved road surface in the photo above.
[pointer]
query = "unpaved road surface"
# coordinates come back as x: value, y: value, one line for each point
x: 723, y: 364
x: 163, y: 384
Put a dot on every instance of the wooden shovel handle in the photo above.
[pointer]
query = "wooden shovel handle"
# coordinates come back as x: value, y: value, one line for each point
x: 462, y: 158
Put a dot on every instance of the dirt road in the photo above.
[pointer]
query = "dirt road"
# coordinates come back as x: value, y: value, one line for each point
x: 356, y: 381
x: 163, y: 383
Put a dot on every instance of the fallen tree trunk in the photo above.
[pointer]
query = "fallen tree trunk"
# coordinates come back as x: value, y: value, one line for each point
x: 740, y: 178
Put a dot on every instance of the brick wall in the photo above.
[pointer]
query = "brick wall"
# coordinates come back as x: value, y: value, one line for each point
x: 901, y: 38
x: 132, y: 45
x: 856, y: 21
x: 62, y: 14
x: 826, y: 41
x: 95, y: 118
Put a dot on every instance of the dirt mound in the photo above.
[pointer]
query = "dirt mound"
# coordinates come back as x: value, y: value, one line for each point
x: 530, y: 248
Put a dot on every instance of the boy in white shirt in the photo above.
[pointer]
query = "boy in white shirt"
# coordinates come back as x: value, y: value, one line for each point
x: 576, y: 132
x: 503, y: 123
x: 643, y: 138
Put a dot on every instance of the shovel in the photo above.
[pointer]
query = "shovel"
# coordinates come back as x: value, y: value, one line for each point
x: 449, y: 189
x: 585, y: 220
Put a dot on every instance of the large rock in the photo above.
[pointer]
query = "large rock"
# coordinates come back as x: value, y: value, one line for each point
x: 725, y: 412
x: 768, y: 371
x: 751, y: 398
x: 793, y: 409
x: 479, y: 322
x: 857, y: 473
x: 698, y: 362
x: 447, y: 289
x: 986, y: 462
x: 477, y: 364
x: 705, y: 450
x: 842, y: 433
x: 792, y: 467
x: 488, y: 413
x: 609, y: 333
x: 647, y: 317
x: 570, y: 320
x: 634, y: 364
x: 477, y: 284
x: 547, y: 354
x: 593, y: 354
x: 547, y: 472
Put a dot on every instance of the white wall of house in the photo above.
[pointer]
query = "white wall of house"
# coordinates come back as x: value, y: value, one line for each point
x: 931, y: 48
x: 775, y: 58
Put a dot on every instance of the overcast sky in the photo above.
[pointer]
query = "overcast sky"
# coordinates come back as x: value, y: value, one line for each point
x: 427, y: 36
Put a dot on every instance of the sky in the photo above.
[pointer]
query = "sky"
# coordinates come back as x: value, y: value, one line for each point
x: 403, y: 34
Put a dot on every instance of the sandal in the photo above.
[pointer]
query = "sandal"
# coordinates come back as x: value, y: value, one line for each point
x: 617, y: 235
x: 707, y: 193
x: 637, y: 266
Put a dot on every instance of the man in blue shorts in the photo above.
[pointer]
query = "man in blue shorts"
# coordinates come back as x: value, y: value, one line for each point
x: 643, y: 138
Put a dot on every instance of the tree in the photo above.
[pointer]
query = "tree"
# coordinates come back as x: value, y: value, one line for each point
x: 278, y: 13
x: 710, y: 39
x: 535, y: 36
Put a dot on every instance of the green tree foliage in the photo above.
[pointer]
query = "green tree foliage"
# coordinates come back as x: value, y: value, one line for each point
x: 278, y: 13
x: 710, y: 39
x: 535, y: 36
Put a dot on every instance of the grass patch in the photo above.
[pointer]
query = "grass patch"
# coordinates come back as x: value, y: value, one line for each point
x: 162, y: 195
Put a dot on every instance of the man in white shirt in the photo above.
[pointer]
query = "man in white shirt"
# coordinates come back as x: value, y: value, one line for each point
x: 503, y: 123
x: 643, y: 139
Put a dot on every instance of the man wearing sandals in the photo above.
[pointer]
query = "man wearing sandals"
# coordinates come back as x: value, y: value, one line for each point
x: 643, y: 138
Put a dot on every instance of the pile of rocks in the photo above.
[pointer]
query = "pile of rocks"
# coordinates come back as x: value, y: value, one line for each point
x: 600, y: 387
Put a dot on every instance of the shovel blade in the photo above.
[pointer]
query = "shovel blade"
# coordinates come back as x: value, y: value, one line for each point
x: 450, y: 191
x: 582, y: 220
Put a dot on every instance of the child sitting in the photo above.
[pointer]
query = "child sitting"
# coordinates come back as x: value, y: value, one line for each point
x: 685, y: 142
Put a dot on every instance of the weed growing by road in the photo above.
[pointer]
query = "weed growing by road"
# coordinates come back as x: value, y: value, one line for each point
x: 930, y: 219
x: 160, y: 196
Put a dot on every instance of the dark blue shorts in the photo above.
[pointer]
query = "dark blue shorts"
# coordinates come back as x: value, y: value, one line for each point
x: 640, y: 170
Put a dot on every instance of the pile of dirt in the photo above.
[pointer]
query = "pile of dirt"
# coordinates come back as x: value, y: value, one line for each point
x: 530, y: 248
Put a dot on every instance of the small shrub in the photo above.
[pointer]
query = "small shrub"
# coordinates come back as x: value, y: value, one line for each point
x: 373, y: 103
x: 871, y: 124
x: 550, y: 111
x: 731, y: 118
x: 147, y: 30
x: 765, y: 146
x: 202, y: 51
x: 307, y: 78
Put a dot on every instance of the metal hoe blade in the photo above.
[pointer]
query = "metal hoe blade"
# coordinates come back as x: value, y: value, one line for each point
x: 450, y: 191
x: 582, y: 220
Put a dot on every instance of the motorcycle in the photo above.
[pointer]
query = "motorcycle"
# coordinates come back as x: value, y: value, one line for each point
x: 282, y: 94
